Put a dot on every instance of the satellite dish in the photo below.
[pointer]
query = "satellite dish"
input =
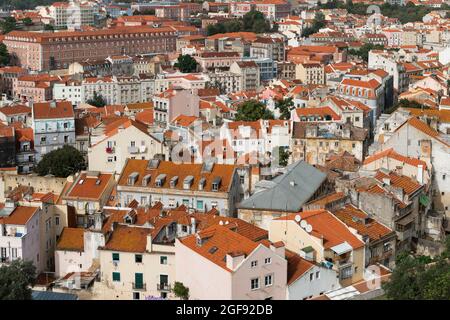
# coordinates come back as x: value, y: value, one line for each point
x: 297, y: 218
x: 308, y: 228
x: 303, y: 224
x: 221, y: 222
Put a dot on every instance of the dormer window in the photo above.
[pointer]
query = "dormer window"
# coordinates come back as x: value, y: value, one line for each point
x: 216, y: 183
x: 201, y: 184
x: 146, y: 179
x: 187, y: 182
x: 132, y: 178
x: 160, y: 180
x: 173, y: 182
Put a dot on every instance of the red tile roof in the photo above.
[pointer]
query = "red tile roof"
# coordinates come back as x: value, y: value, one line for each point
x: 71, y: 239
x: 326, y: 225
x: 89, y: 188
x: 20, y: 216
x: 390, y: 153
x: 62, y: 109
x: 360, y: 221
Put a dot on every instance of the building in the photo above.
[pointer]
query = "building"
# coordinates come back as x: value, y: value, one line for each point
x: 210, y: 61
x: 7, y: 77
x: 416, y: 139
x: 323, y: 238
x: 7, y: 147
x: 122, y: 139
x: 307, y: 279
x: 19, y: 236
x: 88, y: 194
x: 217, y: 257
x: 268, y: 48
x: 198, y: 186
x: 15, y: 113
x: 380, y: 240
x: 310, y: 73
x: 285, y: 193
x: 173, y: 102
x: 25, y: 153
x: 55, y: 50
x: 249, y: 74
x: 53, y: 126
x: 72, y: 14
x: 313, y: 142
x: 34, y: 87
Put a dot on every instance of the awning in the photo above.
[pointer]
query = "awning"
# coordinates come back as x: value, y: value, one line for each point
x: 424, y: 200
x: 406, y: 220
x: 342, y: 248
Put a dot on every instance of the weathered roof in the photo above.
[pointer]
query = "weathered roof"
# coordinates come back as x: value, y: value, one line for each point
x: 289, y: 191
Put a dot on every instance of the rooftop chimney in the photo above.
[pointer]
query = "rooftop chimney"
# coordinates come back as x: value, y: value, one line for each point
x: 278, y: 248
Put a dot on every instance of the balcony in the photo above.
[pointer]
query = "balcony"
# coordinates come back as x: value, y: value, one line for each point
x: 139, y: 286
x: 110, y: 150
x: 133, y: 150
x: 163, y: 287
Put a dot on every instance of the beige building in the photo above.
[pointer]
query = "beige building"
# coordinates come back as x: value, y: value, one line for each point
x: 121, y: 140
x: 310, y: 73
x: 313, y: 143
x: 319, y: 235
x: 89, y: 192
x: 249, y: 71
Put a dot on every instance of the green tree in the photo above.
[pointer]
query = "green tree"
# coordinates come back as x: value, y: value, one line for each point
x: 49, y: 27
x: 363, y: 52
x: 97, y: 100
x: 61, y: 162
x: 4, y: 55
x: 27, y: 21
x: 185, y: 63
x: 318, y: 23
x: 8, y: 24
x: 253, y: 110
x: 180, y: 290
x: 283, y: 156
x: 404, y: 103
x: 16, y: 280
x: 285, y: 106
x: 420, y: 278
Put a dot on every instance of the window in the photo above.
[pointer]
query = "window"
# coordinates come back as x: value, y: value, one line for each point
x: 311, y: 276
x: 116, y: 276
x: 254, y: 283
x: 136, y: 296
x: 13, y: 252
x: 200, y: 204
x: 254, y: 263
x: 186, y: 202
x: 163, y: 260
x: 57, y: 221
x: 115, y: 257
x: 138, y: 258
x: 184, y: 228
x: 318, y: 275
x: 133, y: 143
x: 443, y: 177
x: 268, y: 260
x: 241, y: 179
x: 268, y: 280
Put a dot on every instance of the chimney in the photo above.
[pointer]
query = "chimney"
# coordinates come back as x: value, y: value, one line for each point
x: 98, y: 220
x: 278, y: 248
x: 148, y: 246
x: 193, y: 225
x: 420, y: 173
x: 387, y: 181
x: 233, y: 259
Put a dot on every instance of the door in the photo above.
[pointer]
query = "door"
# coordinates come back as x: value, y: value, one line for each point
x: 139, y: 280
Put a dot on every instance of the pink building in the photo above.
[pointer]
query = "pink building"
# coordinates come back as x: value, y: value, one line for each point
x: 34, y: 87
x: 174, y: 102
x: 56, y: 50
x: 7, y: 77
x: 217, y: 60
x: 272, y: 9
x: 218, y: 263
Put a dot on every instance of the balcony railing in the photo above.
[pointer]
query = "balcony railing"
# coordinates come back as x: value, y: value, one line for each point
x: 139, y: 286
x: 133, y: 150
x: 163, y: 287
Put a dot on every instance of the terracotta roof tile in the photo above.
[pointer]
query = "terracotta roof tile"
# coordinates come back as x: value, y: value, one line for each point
x: 71, y: 239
